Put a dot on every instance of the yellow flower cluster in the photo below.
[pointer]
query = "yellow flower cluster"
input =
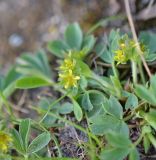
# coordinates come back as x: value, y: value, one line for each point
x: 5, y: 140
x: 120, y: 57
x: 67, y: 76
x: 127, y: 50
x: 68, y: 64
x: 120, y: 54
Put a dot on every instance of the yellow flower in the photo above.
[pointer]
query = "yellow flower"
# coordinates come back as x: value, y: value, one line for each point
x: 68, y: 64
x: 122, y: 45
x: 120, y: 57
x: 5, y: 140
x: 68, y: 79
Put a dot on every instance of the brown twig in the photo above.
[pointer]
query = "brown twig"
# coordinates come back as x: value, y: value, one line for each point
x: 131, y: 23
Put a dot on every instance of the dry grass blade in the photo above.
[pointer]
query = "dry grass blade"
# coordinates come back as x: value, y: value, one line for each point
x: 131, y: 23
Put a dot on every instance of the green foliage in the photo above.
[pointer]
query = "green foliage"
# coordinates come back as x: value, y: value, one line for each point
x: 134, y: 155
x: 24, y: 130
x: 58, y: 48
x: 132, y: 102
x: 113, y: 107
x: 150, y: 117
x: 149, y: 38
x: 77, y: 110
x: 103, y: 124
x: 119, y: 146
x: 17, y: 141
x: 49, y: 105
x: 7, y: 82
x: 91, y: 100
x: 114, y: 154
x: 146, y: 143
x: 39, y: 142
x: 107, y: 101
x: 74, y: 40
x: 73, y: 36
x: 21, y: 139
x: 86, y: 102
x: 147, y: 94
x: 34, y: 65
x: 66, y: 108
x: 31, y: 82
x: 105, y: 50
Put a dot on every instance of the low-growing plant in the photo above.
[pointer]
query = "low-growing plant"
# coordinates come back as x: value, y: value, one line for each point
x: 114, y: 105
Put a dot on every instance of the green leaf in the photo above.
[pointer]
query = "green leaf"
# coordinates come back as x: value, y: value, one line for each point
x: 107, y: 56
x: 134, y: 155
x: 74, y: 36
x: 118, y: 140
x: 34, y: 65
x: 114, y: 37
x: 77, y: 110
x: 114, y: 154
x: 150, y: 57
x: 131, y: 102
x: 103, y: 124
x: 106, y: 49
x: 11, y: 76
x: 17, y: 141
x: 88, y: 42
x: 146, y: 143
x: 102, y: 51
x: 39, y: 142
x: 83, y: 68
x: 57, y: 48
x: 96, y: 98
x: 153, y: 84
x: 46, y: 70
x: 83, y: 82
x: 148, y: 39
x: 86, y: 103
x: 45, y: 104
x: 145, y: 94
x: 117, y: 85
x: 113, y: 107
x: 151, y: 118
x: 91, y: 101
x: 9, y: 89
x: 31, y: 82
x: 66, y: 108
x: 146, y: 129
x: 24, y: 130
x: 8, y: 82
x: 152, y: 139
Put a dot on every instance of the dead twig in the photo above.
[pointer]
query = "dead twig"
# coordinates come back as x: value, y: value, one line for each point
x: 131, y: 23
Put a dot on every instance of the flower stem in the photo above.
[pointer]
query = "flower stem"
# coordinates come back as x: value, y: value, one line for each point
x: 115, y: 72
x: 134, y: 71
x: 141, y: 72
x: 51, y: 105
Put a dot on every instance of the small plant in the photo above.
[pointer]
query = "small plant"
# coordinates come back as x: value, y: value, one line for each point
x: 21, y: 139
x: 113, y: 104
